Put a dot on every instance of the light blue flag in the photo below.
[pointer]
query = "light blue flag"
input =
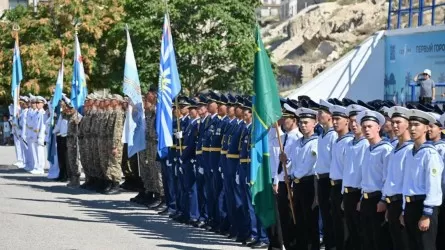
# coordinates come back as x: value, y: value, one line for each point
x: 17, y: 77
x: 169, y: 87
x: 79, y: 89
x: 134, y: 127
x: 57, y: 92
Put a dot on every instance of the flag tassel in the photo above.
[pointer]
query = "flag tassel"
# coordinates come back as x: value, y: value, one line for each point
x: 286, y: 176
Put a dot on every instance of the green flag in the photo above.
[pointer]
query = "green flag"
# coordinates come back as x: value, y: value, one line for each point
x: 266, y: 111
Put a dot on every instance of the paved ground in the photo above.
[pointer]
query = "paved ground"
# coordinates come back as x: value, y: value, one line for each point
x: 36, y: 213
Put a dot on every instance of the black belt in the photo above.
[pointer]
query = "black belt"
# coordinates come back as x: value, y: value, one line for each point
x: 372, y: 194
x: 303, y: 179
x: 351, y: 190
x: 321, y: 176
x: 396, y: 197
x: 336, y: 182
x: 413, y: 198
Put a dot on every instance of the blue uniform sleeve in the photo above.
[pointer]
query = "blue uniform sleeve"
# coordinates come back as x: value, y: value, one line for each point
x: 433, y: 181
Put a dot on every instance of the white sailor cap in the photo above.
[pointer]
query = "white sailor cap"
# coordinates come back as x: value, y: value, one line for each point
x: 40, y: 99
x: 325, y: 106
x: 337, y: 110
x: 354, y: 109
x: 369, y: 115
x: 421, y: 116
x: 398, y: 111
x: 437, y: 117
x: 32, y: 98
x: 24, y: 98
x: 306, y: 113
x: 289, y: 108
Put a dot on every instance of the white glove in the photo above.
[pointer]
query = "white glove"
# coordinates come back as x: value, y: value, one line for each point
x: 219, y: 169
x: 180, y: 170
x: 167, y: 162
x: 178, y: 135
x: 176, y: 171
x: 180, y: 161
x: 237, y: 179
x: 222, y: 176
x: 201, y: 170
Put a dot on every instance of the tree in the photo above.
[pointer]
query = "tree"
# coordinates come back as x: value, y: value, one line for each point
x: 213, y: 40
x: 43, y: 34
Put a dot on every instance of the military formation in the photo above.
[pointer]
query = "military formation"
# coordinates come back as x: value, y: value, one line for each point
x: 345, y: 174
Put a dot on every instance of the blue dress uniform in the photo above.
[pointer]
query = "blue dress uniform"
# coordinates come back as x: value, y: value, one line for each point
x: 209, y: 156
x: 352, y: 178
x: 373, y: 177
x: 256, y: 230
x: 189, y: 168
x: 232, y: 162
x: 227, y: 194
x: 302, y: 173
x: 215, y: 164
x: 422, y: 188
x: 200, y: 171
x: 392, y: 189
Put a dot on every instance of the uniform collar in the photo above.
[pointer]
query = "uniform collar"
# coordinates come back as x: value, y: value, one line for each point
x: 248, y: 125
x: 184, y: 117
x: 213, y: 116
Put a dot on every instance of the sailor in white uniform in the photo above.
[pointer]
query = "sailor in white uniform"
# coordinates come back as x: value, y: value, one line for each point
x: 38, y: 143
x: 302, y: 171
x: 422, y: 184
x: 322, y: 169
x: 28, y: 133
x: 352, y: 176
x: 288, y: 139
x: 392, y: 189
x: 372, y: 208
x: 341, y: 126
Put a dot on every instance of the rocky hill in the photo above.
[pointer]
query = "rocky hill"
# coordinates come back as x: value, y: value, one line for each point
x: 306, y: 44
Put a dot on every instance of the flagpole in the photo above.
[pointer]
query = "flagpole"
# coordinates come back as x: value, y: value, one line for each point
x: 286, y: 176
x: 16, y: 28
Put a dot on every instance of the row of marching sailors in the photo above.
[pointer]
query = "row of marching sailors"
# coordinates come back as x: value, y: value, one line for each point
x: 370, y: 193
x: 206, y: 173
x: 29, y: 129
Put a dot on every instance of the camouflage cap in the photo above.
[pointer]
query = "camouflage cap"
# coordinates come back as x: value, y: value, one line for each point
x: 118, y: 97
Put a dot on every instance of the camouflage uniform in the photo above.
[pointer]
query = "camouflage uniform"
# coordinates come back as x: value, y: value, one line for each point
x: 151, y: 170
x: 114, y: 171
x: 95, y: 129
x: 103, y: 147
x: 83, y: 143
x: 106, y: 143
x: 72, y: 146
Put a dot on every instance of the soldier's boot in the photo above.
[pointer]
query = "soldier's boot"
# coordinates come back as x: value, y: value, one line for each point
x: 138, y: 197
x: 101, y: 185
x: 91, y: 184
x: 156, y: 202
x: 148, y: 199
x: 108, y: 186
x: 115, y: 189
x: 74, y: 181
x: 86, y: 183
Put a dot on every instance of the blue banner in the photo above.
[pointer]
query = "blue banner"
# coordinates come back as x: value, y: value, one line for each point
x: 408, y: 55
x: 169, y: 87
x: 134, y: 127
